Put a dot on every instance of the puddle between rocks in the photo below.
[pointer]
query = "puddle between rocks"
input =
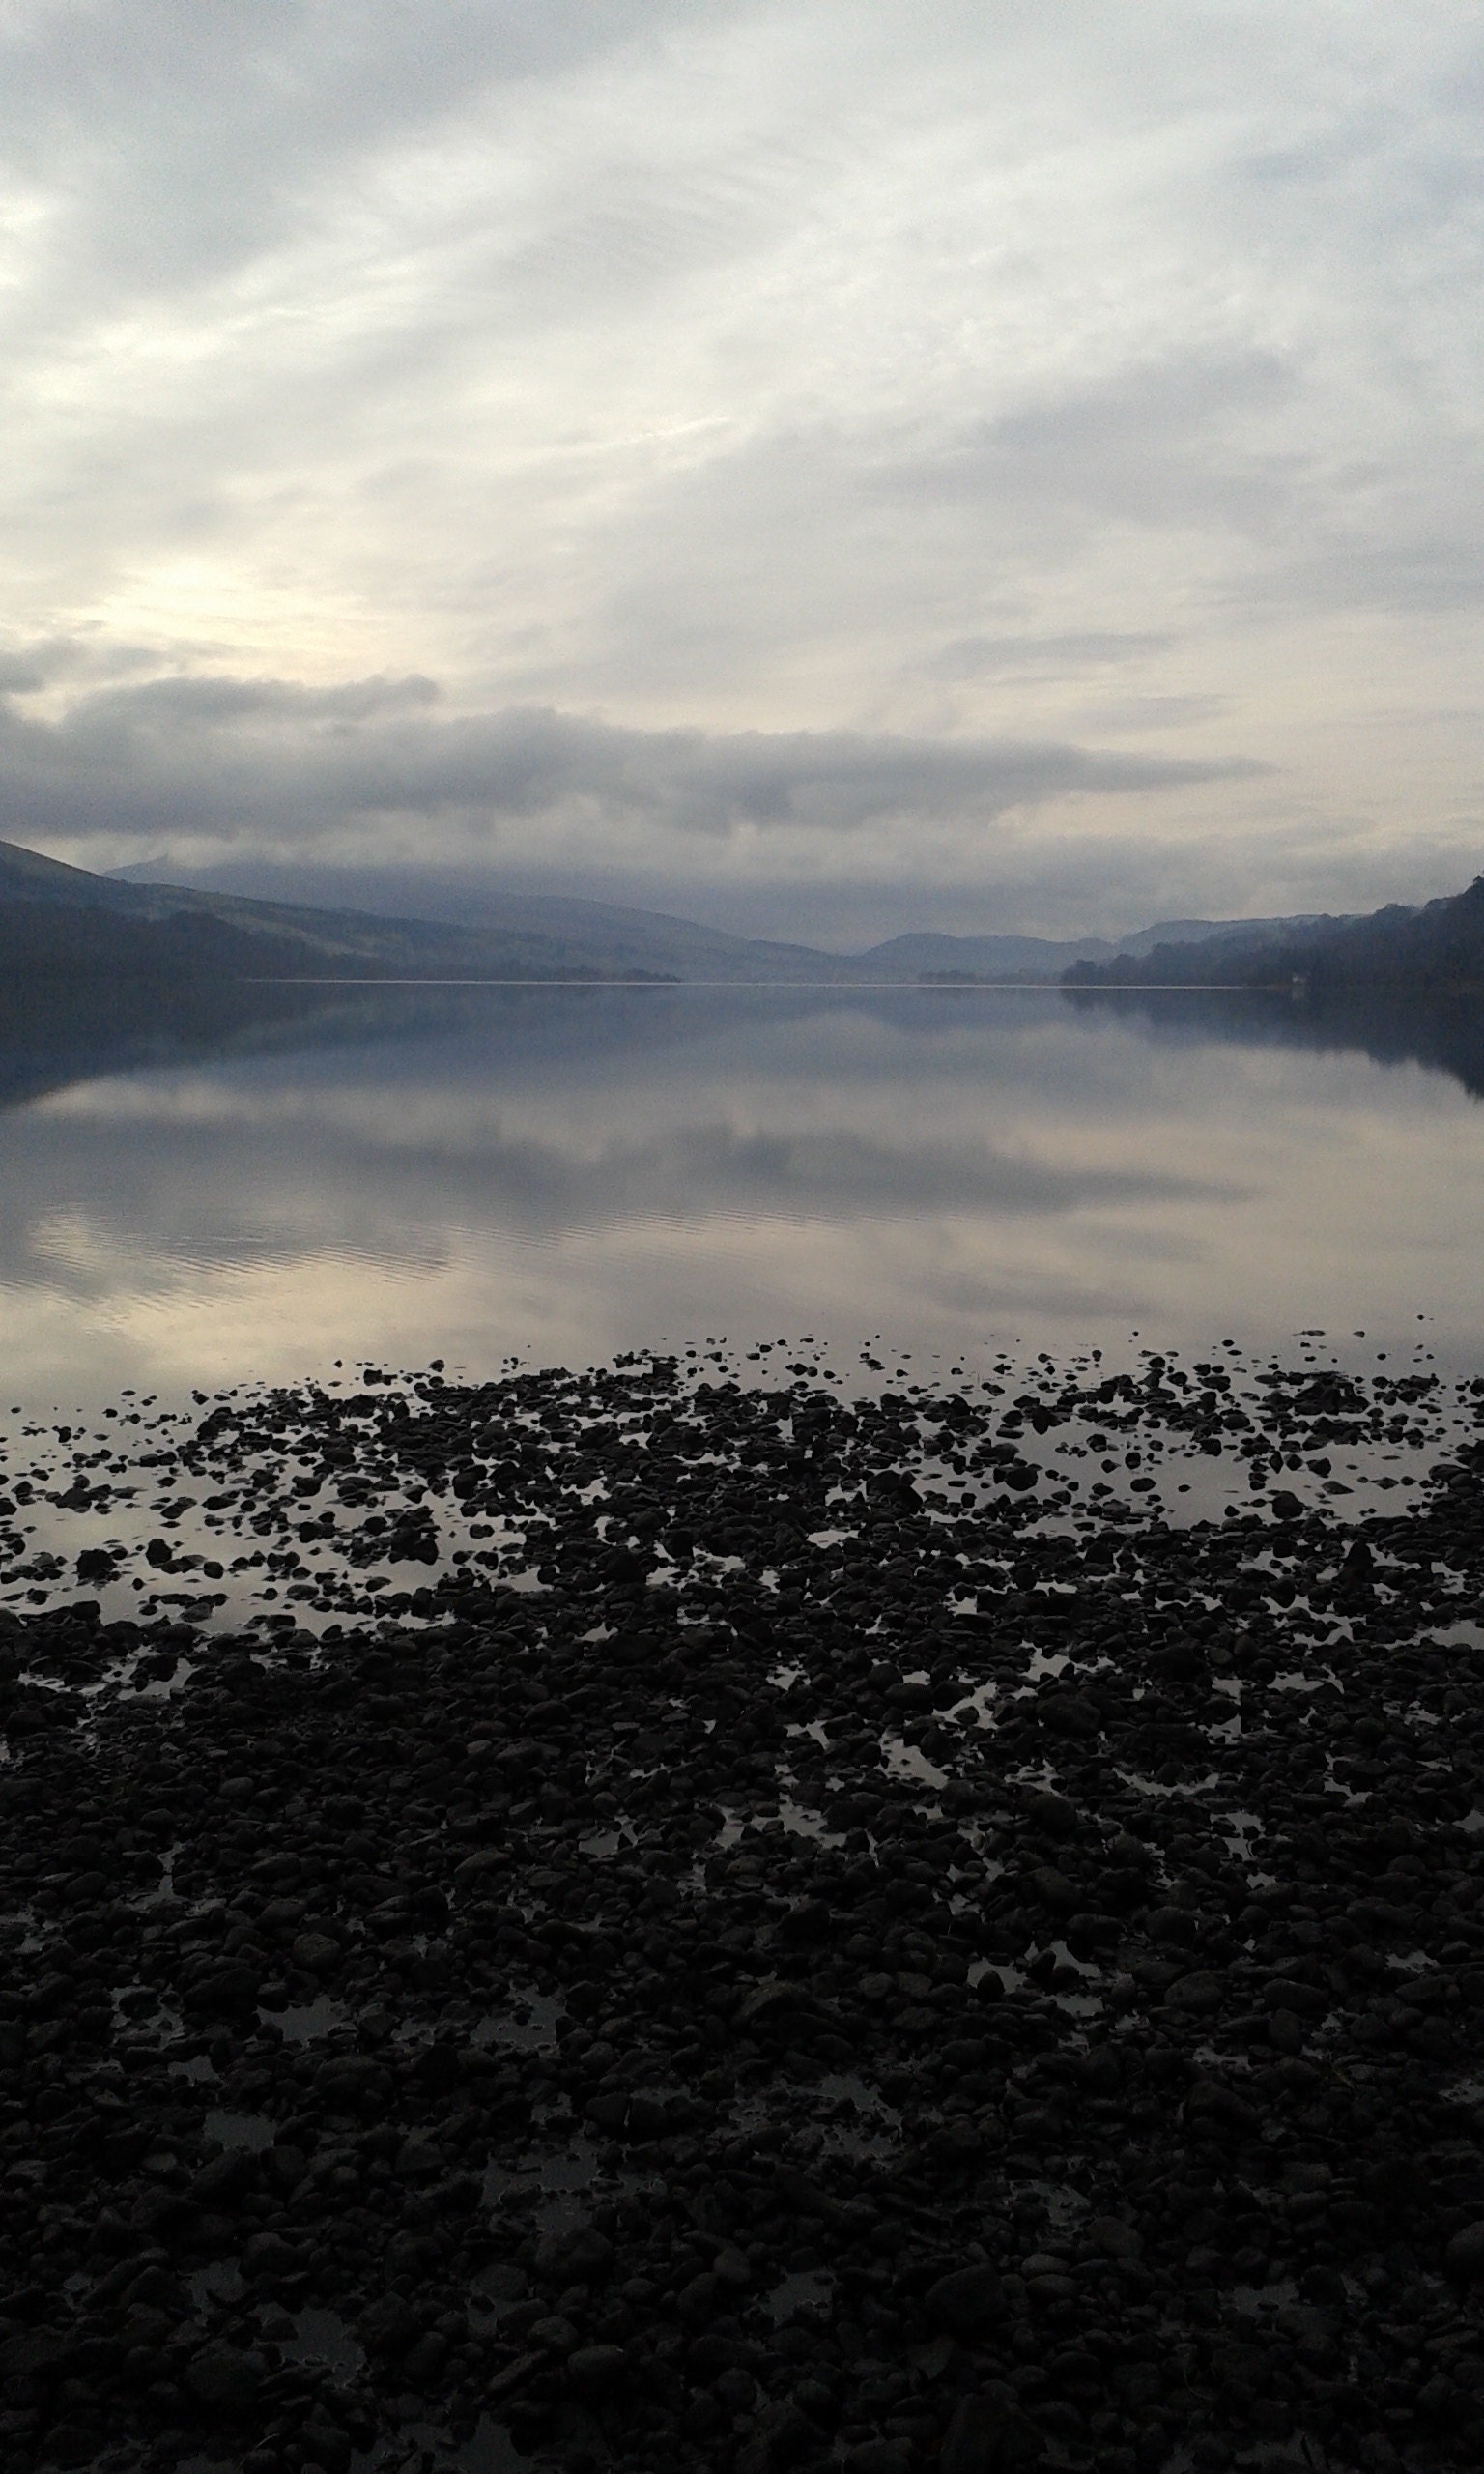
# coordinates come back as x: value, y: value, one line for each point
x: 238, y: 2130
x: 488, y: 2449
x: 529, y: 2026
x: 558, y: 2178
x: 220, y: 2281
x: 804, y: 2289
x: 323, y: 2337
x: 303, y: 2022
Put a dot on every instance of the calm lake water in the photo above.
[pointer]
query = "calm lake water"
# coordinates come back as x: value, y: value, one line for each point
x: 555, y: 1174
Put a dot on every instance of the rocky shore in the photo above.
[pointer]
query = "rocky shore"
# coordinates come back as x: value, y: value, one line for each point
x: 800, y: 1974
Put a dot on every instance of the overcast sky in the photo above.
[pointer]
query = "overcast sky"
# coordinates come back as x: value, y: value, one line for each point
x: 823, y: 468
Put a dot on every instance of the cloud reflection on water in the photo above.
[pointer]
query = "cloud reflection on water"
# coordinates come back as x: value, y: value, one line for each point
x: 471, y: 1176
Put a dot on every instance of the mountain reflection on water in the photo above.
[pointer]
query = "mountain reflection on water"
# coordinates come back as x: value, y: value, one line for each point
x: 1443, y: 1032
x: 251, y: 1183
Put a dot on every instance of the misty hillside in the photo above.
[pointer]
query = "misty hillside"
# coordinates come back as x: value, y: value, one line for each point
x: 1230, y: 931
x: 58, y: 920
x: 617, y: 939
x: 610, y: 939
x: 976, y: 957
x: 1439, y: 948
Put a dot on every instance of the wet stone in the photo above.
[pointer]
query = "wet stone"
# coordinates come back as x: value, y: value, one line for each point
x: 316, y: 1953
x: 1465, y: 2254
x: 596, y: 2372
x: 225, y: 2382
x: 644, y: 2016
x: 1202, y: 1991
x: 1116, y: 2239
x: 987, y: 2434
x: 965, y: 2300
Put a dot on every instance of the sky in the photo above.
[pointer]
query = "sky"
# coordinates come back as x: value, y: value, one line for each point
x: 825, y: 471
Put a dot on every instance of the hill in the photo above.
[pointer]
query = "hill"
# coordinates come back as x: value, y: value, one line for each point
x: 63, y: 923
x: 58, y: 921
x: 1434, y: 950
x: 619, y: 940
x: 1231, y: 931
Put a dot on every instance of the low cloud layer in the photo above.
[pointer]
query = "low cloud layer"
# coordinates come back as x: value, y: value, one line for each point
x: 336, y: 770
x: 1023, y: 467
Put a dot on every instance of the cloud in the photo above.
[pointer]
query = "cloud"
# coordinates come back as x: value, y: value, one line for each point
x: 233, y: 757
x: 1166, y: 444
x: 871, y: 413
x: 205, y: 703
x: 19, y: 675
x: 604, y: 1115
x: 1055, y: 656
x: 697, y: 1171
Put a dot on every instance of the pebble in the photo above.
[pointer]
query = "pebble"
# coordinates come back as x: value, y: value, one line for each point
x: 965, y: 2300
x: 1465, y: 2254
x: 721, y: 2001
x: 225, y: 2382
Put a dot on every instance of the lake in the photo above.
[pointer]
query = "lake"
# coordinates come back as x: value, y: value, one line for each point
x: 555, y: 1174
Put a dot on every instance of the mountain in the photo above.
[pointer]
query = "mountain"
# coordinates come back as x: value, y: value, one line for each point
x: 61, y: 921
x: 1441, y: 1029
x: 616, y: 938
x: 619, y: 939
x: 66, y: 922
x: 938, y: 956
x: 1209, y: 931
x: 1434, y: 950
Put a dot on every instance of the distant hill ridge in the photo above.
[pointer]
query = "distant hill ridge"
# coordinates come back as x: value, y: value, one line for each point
x: 60, y: 919
x: 1434, y: 950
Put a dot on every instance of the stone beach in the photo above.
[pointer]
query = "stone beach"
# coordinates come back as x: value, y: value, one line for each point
x: 774, y: 1967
